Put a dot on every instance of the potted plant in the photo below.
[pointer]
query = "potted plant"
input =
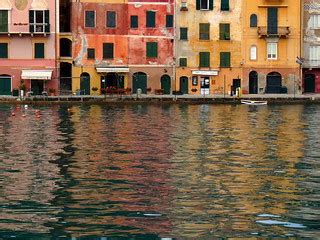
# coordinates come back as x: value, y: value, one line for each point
x: 52, y: 91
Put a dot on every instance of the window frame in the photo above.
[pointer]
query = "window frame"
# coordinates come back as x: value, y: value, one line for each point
x: 35, y: 50
x: 131, y: 26
x: 206, y: 33
x: 153, y: 20
x: 168, y: 16
x: 223, y: 7
x: 94, y: 53
x: 271, y: 55
x: 151, y: 45
x: 208, y: 5
x: 186, y: 34
x: 256, y: 53
x: 7, y: 50
x: 253, y: 15
x: 43, y: 26
x: 222, y: 34
x: 222, y: 61
x: 184, y: 59
x: 314, y: 17
x: 94, y: 20
x: 103, y: 52
x: 201, y: 62
x: 115, y: 19
x: 8, y: 18
x: 312, y: 55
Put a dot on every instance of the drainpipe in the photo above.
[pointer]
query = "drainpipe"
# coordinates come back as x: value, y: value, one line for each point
x: 174, y: 45
x: 56, y: 30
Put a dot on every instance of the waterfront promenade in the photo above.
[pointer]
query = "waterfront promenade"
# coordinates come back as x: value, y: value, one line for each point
x: 271, y: 98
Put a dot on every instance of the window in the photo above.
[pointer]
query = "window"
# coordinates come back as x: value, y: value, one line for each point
x: 151, y: 19
x: 111, y: 19
x: 91, y: 54
x: 3, y: 50
x: 314, y: 53
x: 253, y: 52
x: 204, y: 59
x: 169, y: 21
x: 204, y: 4
x: 224, y: 30
x: 315, y: 21
x: 225, y: 59
x: 152, y: 49
x: 183, y: 62
x: 253, y: 20
x: 108, y: 51
x: 272, y: 50
x: 134, y: 21
x: 39, y: 50
x: 204, y: 31
x: 3, y: 21
x: 90, y: 19
x: 39, y: 21
x: 225, y: 5
x: 183, y: 33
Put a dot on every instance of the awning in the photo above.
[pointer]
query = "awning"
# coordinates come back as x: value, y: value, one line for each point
x: 206, y: 72
x: 112, y: 70
x: 36, y: 74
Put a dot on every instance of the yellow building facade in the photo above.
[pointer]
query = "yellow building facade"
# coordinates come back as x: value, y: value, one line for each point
x: 208, y: 46
x: 270, y: 46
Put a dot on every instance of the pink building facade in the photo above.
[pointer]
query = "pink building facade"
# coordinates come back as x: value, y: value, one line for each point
x: 28, y: 46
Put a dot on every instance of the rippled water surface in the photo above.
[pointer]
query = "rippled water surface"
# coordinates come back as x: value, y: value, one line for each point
x: 160, y: 171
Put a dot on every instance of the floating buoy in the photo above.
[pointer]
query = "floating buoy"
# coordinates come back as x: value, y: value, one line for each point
x: 38, y: 116
x: 13, y: 114
x: 23, y: 115
x: 25, y: 106
x: 69, y: 109
x: 37, y: 111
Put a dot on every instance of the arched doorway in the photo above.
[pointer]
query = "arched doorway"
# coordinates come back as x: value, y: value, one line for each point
x: 184, y: 85
x: 166, y: 84
x: 5, y: 85
x: 65, y: 47
x: 253, y: 82
x: 309, y: 83
x: 85, y: 84
x: 139, y: 80
x: 274, y: 83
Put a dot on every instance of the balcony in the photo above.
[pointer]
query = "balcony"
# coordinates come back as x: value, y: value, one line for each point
x: 267, y: 32
x: 23, y: 29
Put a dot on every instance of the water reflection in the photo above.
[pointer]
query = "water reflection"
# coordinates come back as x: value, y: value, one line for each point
x: 170, y: 171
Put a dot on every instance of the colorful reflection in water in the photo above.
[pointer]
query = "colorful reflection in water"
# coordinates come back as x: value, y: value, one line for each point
x: 160, y: 171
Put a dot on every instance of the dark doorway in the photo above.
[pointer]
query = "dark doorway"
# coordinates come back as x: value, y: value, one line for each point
x: 309, y: 83
x: 273, y: 83
x: 236, y: 83
x: 272, y: 20
x: 65, y: 78
x: 65, y: 47
x: 139, y: 80
x: 5, y: 85
x: 166, y: 84
x: 37, y: 87
x: 184, y: 85
x: 84, y: 84
x: 253, y: 82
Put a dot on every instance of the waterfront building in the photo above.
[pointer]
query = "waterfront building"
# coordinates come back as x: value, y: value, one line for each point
x: 119, y: 45
x: 311, y: 46
x: 27, y: 46
x: 270, y: 46
x: 208, y: 46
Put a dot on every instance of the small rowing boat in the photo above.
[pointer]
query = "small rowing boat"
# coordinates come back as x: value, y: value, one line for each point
x: 256, y: 103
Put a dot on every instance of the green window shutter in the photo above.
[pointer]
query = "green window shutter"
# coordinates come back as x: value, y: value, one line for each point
x: 225, y: 5
x: 204, y: 59
x: 134, y: 21
x: 198, y: 4
x: 210, y: 4
x: 183, y: 33
x: 3, y: 50
x: 225, y: 58
x: 47, y: 20
x: 111, y: 19
x: 108, y: 51
x: 224, y: 29
x: 91, y: 53
x: 169, y: 21
x: 3, y: 21
x: 151, y: 19
x: 183, y: 62
x: 39, y: 50
x: 152, y: 49
x: 31, y: 21
x: 89, y: 19
x: 204, y: 31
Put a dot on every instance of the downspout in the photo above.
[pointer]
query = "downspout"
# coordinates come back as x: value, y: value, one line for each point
x: 56, y: 42
x: 174, y: 45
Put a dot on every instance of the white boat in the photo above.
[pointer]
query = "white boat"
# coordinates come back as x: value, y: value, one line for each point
x: 256, y: 103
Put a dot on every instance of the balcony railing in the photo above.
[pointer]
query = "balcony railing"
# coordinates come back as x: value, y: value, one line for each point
x: 25, y: 29
x: 273, y: 32
x: 39, y: 27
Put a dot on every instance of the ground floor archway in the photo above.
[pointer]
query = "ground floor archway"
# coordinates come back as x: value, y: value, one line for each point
x: 139, y: 81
